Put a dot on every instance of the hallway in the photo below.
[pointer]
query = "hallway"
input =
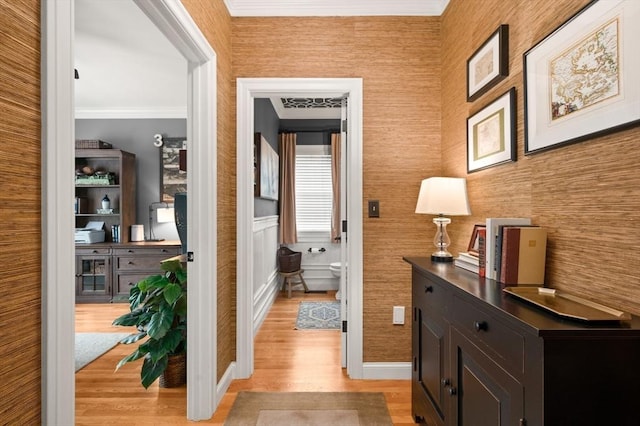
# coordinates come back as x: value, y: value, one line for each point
x: 286, y: 360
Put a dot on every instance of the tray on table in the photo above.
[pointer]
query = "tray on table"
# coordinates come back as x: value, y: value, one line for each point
x: 567, y: 305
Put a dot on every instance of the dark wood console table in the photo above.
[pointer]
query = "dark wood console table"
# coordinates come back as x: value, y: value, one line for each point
x: 105, y: 272
x: 483, y: 357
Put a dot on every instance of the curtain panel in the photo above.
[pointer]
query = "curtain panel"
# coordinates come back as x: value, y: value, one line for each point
x: 288, y: 231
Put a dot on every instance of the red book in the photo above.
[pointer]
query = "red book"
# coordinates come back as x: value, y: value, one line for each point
x: 482, y: 253
x: 523, y: 256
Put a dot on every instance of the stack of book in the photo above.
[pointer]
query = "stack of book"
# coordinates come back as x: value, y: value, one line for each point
x: 515, y: 251
x: 468, y: 261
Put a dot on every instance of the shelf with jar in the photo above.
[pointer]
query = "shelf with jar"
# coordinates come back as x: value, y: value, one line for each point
x: 105, y: 190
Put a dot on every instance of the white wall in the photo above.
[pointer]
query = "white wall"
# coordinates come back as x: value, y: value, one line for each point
x: 265, y: 267
x: 316, y: 265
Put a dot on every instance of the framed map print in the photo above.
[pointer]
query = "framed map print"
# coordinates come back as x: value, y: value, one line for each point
x: 491, y: 133
x: 581, y: 81
x: 489, y: 64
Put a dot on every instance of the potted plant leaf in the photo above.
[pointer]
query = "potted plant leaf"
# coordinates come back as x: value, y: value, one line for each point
x: 158, y: 309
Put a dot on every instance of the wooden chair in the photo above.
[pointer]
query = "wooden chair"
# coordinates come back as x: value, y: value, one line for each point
x: 287, y: 281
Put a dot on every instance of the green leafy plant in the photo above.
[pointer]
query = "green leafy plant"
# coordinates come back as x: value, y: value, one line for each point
x: 158, y: 309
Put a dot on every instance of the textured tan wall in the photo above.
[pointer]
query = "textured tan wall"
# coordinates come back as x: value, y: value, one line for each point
x: 20, y: 212
x: 213, y: 19
x: 398, y: 59
x: 586, y: 194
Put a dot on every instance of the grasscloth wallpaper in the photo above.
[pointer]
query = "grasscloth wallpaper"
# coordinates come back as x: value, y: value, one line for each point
x: 415, y: 113
x: 20, y: 212
x: 213, y: 19
x: 398, y: 59
x: 585, y: 194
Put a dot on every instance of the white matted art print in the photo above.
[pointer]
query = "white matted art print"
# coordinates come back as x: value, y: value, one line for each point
x: 581, y: 80
x: 491, y: 133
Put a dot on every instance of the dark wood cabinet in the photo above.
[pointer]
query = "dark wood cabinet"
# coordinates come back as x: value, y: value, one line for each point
x: 482, y: 357
x: 121, y: 191
x: 105, y: 272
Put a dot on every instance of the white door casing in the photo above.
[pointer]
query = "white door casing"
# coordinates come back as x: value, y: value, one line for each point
x: 58, y: 387
x: 248, y: 89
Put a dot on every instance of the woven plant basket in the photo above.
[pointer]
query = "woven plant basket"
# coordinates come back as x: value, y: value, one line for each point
x: 176, y: 373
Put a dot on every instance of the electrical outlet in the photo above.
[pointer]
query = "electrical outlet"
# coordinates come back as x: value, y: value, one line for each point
x: 374, y: 208
x: 398, y: 315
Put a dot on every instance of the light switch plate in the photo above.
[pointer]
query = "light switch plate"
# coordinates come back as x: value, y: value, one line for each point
x: 398, y: 315
x: 374, y: 208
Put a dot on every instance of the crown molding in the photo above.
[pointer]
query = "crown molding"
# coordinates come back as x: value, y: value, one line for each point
x: 131, y: 113
x: 246, y: 8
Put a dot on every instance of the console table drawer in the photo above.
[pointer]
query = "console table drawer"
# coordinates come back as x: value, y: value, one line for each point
x: 495, y: 336
x: 139, y: 263
x: 90, y: 251
x: 126, y: 281
x: 431, y: 294
x: 148, y: 251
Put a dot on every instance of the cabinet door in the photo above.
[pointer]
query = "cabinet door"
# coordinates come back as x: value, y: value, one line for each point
x: 93, y: 278
x: 430, y: 375
x: 482, y: 393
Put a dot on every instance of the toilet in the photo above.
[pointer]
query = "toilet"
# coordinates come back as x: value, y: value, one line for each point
x: 335, y: 269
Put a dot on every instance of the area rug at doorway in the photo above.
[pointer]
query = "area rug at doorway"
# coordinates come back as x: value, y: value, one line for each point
x: 318, y: 316
x: 309, y: 408
x: 89, y: 346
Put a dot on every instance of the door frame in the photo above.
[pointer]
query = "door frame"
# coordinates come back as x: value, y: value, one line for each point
x: 58, y: 246
x: 248, y: 89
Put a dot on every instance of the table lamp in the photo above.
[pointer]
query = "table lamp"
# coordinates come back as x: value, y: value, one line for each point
x: 443, y: 196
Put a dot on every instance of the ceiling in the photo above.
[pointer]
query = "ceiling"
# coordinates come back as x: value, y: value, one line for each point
x: 128, y: 69
x: 336, y: 7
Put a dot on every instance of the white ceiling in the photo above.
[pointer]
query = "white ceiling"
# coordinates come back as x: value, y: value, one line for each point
x: 128, y: 69
x: 336, y: 7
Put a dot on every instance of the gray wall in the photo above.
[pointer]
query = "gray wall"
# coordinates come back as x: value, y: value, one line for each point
x: 266, y: 121
x: 136, y: 136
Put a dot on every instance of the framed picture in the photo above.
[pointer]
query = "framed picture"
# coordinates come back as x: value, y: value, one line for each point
x: 266, y: 169
x: 581, y: 81
x: 489, y: 64
x: 172, y: 178
x: 473, y: 242
x: 491, y: 133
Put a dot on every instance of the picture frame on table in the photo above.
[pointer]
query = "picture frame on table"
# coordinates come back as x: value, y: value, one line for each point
x: 474, y: 243
x: 489, y: 64
x: 580, y: 81
x: 491, y: 133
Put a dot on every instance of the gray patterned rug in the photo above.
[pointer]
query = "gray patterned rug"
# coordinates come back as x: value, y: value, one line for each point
x: 318, y: 316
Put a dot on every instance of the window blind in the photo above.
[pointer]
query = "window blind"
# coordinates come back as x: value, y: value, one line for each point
x: 313, y: 196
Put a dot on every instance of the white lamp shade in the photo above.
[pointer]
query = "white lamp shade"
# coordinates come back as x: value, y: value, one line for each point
x: 165, y: 215
x: 443, y: 196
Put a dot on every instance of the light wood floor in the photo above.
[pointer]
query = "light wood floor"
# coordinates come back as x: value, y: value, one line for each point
x: 286, y: 360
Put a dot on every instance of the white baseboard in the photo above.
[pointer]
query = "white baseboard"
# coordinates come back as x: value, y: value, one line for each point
x: 264, y: 300
x: 387, y: 370
x: 225, y: 382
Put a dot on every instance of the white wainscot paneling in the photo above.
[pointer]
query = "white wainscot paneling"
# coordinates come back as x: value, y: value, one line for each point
x: 265, y: 267
x: 316, y: 265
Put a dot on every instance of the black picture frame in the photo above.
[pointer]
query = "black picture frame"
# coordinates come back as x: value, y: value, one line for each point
x: 489, y: 64
x: 491, y: 133
x: 562, y: 107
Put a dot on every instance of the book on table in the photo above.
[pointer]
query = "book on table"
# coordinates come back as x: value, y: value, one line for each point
x: 491, y: 240
x: 466, y: 265
x: 523, y: 255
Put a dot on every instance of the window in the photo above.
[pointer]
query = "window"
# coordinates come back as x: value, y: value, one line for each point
x: 314, y: 197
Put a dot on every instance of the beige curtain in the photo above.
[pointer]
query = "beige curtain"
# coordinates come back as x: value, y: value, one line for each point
x: 288, y: 231
x: 335, y: 178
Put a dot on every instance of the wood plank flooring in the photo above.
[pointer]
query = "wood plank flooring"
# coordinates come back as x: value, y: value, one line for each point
x: 286, y: 360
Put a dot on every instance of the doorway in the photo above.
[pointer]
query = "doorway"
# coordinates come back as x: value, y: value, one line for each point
x: 247, y: 91
x: 57, y: 194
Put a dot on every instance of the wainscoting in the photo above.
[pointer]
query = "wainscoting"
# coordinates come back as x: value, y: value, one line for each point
x: 316, y: 265
x: 265, y: 267
x: 266, y: 282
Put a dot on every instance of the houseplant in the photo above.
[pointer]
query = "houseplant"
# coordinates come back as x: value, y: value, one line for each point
x: 158, y: 309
